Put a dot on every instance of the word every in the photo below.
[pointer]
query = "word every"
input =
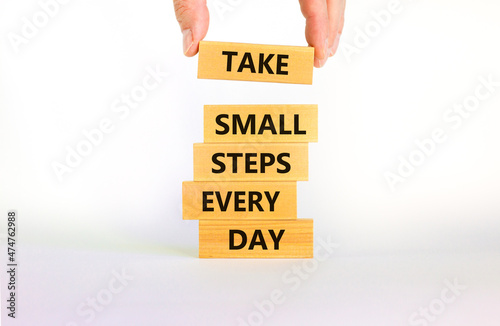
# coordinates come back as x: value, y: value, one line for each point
x: 254, y: 199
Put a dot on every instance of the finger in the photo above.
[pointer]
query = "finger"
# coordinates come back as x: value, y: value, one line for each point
x: 316, y: 15
x: 336, y: 9
x: 193, y: 19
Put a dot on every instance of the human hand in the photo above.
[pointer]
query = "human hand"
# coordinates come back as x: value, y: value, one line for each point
x: 324, y: 24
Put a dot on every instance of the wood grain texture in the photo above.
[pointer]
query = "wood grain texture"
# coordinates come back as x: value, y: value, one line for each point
x: 256, y: 62
x: 261, y: 123
x: 253, y: 164
x: 239, y: 200
x: 296, y: 241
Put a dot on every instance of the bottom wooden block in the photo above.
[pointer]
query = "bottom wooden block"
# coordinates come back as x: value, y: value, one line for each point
x: 256, y: 239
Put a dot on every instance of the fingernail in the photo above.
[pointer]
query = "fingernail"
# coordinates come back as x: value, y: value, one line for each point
x: 187, y: 40
x: 322, y: 62
x: 319, y: 61
x: 335, y: 45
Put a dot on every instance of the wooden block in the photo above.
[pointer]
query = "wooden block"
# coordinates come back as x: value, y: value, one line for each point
x: 255, y: 62
x: 256, y: 239
x: 260, y: 123
x: 251, y: 162
x: 239, y: 200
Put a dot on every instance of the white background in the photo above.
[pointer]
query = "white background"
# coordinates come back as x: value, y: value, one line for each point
x: 119, y: 209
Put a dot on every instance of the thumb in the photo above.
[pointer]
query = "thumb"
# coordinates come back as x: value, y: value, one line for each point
x: 317, y: 31
x: 193, y: 19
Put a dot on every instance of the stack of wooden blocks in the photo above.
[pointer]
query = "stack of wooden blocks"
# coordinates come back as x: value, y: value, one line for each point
x: 244, y: 192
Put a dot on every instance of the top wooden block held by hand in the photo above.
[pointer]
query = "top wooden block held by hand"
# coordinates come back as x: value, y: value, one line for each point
x: 255, y: 62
